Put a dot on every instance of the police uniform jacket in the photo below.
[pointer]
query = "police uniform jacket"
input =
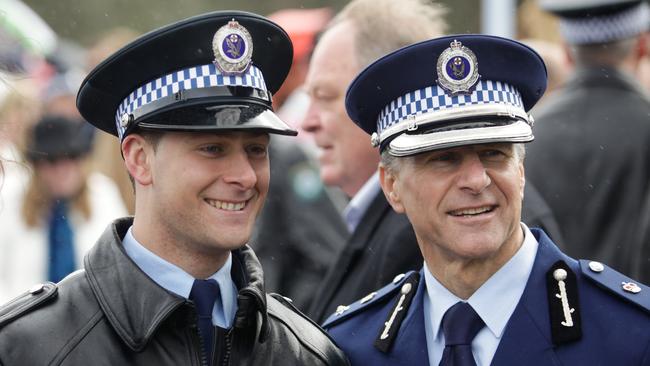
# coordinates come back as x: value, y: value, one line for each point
x: 111, y: 313
x: 612, y: 324
x: 591, y: 162
x: 384, y: 245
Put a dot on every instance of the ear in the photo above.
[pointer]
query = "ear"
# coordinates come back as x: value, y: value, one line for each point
x: 388, y: 182
x: 138, y: 154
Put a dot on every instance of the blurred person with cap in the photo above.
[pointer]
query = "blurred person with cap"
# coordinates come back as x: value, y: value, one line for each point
x: 300, y: 229
x: 382, y: 243
x: 450, y: 117
x: 51, y: 222
x: 176, y: 284
x: 590, y: 158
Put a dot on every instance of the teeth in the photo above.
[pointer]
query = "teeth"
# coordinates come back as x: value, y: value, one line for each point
x: 471, y: 211
x: 228, y: 206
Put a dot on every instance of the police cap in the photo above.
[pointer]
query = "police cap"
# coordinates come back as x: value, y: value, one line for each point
x: 211, y: 72
x: 599, y: 21
x: 449, y: 91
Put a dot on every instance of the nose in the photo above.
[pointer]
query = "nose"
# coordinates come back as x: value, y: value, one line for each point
x: 241, y: 172
x: 473, y: 176
x: 311, y: 122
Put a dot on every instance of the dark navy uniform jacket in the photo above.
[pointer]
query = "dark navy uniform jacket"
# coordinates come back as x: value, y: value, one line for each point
x: 614, y: 324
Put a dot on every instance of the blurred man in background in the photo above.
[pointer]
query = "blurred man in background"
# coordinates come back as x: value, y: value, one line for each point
x: 590, y: 158
x: 300, y: 230
x: 381, y: 244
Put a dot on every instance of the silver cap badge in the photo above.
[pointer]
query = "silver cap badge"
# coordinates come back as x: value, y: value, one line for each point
x: 457, y: 69
x: 233, y: 48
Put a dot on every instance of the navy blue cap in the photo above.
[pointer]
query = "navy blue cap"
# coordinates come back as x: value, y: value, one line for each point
x: 449, y: 91
x: 599, y: 21
x: 215, y: 71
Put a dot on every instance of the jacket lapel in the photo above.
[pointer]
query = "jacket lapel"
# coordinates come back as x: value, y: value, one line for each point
x: 527, y: 337
x: 410, y: 347
x: 354, y: 247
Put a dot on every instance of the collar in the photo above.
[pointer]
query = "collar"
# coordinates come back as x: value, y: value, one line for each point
x: 176, y: 280
x: 136, y: 306
x: 501, y: 291
x: 359, y: 204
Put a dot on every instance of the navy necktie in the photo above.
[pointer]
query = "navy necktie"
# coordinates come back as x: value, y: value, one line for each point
x: 460, y: 325
x: 204, y: 294
x: 60, y: 239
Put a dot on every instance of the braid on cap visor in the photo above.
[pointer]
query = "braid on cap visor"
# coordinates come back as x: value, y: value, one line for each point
x: 430, y: 118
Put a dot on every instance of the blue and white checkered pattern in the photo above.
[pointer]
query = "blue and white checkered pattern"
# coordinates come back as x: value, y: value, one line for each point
x: 606, y: 28
x: 433, y: 98
x: 196, y: 77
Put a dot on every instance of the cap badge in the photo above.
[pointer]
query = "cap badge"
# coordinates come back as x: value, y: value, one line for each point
x: 457, y: 69
x: 233, y: 48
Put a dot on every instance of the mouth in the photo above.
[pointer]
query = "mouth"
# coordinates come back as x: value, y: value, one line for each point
x: 472, y: 211
x: 226, y: 205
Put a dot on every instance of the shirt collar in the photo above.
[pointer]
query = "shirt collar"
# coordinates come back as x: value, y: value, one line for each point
x: 176, y: 280
x: 501, y: 291
x: 361, y: 201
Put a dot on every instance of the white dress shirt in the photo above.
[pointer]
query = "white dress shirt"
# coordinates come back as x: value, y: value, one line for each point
x: 174, y: 279
x: 494, y: 302
x: 359, y: 204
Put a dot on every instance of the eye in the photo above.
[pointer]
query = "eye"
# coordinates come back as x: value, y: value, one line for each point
x: 257, y: 150
x: 443, y: 157
x: 212, y: 149
x: 493, y: 154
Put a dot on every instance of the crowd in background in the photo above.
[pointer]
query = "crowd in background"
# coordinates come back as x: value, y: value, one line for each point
x: 63, y: 182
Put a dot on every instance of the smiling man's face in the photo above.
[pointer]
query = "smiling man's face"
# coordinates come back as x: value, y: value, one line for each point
x: 207, y: 189
x: 464, y: 202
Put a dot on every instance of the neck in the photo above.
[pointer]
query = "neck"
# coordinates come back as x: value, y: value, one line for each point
x: 462, y: 276
x: 198, y: 263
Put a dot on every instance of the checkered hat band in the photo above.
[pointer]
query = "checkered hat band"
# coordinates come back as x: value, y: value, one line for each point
x: 434, y: 98
x: 606, y: 28
x: 195, y: 77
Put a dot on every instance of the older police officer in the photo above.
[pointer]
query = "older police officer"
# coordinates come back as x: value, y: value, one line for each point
x: 450, y: 116
x: 176, y: 285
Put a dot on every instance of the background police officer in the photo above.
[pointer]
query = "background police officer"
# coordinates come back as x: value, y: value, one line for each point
x: 450, y: 116
x: 590, y: 159
x: 176, y: 285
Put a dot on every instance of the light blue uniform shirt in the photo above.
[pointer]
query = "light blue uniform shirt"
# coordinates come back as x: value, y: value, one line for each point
x: 174, y: 279
x: 494, y: 302
x: 359, y: 204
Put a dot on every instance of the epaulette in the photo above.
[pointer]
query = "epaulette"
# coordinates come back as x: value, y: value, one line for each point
x: 617, y: 283
x: 37, y: 296
x: 346, y: 311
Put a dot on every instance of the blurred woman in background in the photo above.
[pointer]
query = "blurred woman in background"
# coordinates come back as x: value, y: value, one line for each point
x: 56, y: 218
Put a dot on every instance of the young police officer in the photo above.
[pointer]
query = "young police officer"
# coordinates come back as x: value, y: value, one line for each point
x: 176, y: 285
x: 450, y: 116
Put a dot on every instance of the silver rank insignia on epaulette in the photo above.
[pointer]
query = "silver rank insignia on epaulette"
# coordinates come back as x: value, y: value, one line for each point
x: 457, y: 69
x: 233, y: 48
x: 563, y: 304
x: 391, y: 326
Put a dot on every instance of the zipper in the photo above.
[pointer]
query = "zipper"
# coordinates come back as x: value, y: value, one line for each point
x: 228, y: 343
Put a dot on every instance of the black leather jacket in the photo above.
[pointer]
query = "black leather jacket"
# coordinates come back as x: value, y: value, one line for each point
x: 111, y: 313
